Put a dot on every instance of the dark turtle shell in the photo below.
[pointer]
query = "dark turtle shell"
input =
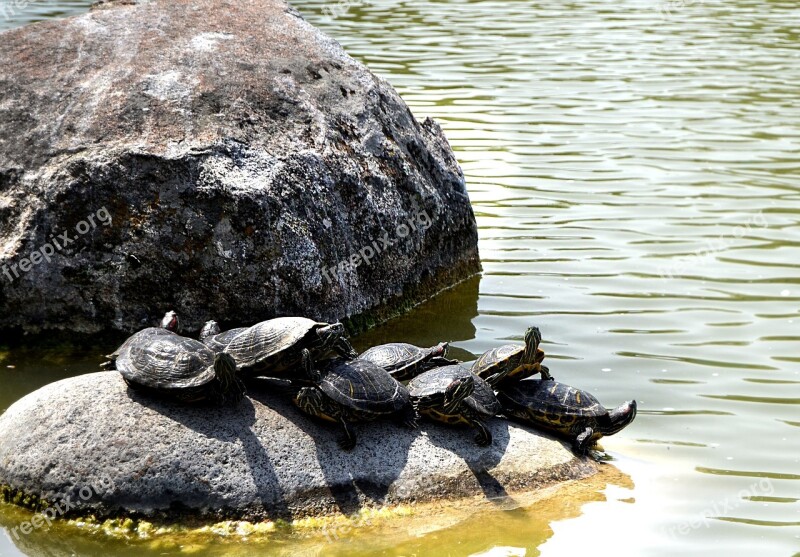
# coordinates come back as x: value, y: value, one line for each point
x: 166, y: 361
x: 433, y: 383
x: 552, y: 400
x: 395, y: 356
x: 404, y: 361
x: 143, y: 336
x: 220, y: 342
x: 363, y: 386
x: 268, y: 339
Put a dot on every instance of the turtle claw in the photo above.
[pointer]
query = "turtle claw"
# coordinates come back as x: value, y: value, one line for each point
x: 411, y: 419
x: 346, y: 443
x: 582, y: 442
x: 483, y: 440
x: 484, y: 437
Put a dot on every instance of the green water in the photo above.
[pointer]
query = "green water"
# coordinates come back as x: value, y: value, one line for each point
x: 635, y: 171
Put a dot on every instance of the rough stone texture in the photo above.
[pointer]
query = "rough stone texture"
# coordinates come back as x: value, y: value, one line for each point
x: 263, y: 459
x: 238, y: 152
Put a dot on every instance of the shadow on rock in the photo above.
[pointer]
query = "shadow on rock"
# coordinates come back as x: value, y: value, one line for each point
x: 480, y: 460
x: 354, y: 478
x: 236, y: 424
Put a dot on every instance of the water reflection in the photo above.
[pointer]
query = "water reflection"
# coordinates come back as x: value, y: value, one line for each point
x: 435, y: 531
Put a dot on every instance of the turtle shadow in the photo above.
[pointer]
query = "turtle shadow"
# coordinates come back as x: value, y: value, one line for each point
x: 356, y: 478
x: 480, y: 460
x: 230, y: 424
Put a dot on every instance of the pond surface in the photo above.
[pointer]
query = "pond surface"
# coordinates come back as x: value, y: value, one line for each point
x: 635, y: 171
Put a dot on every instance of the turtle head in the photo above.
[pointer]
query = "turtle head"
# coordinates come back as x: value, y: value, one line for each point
x: 170, y: 322
x: 329, y: 334
x: 532, y: 339
x: 310, y: 400
x: 334, y: 337
x: 440, y: 350
x: 456, y: 392
x: 620, y: 417
x: 230, y: 388
x: 210, y: 329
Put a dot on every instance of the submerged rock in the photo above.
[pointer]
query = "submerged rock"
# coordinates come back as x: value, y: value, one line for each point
x: 224, y: 159
x: 110, y: 452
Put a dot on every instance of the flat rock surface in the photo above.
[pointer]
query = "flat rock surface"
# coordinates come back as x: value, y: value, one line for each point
x: 221, y: 158
x: 260, y: 460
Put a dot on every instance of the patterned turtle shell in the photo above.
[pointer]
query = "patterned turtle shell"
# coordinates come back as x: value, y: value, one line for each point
x: 364, y: 386
x: 166, y: 362
x: 551, y: 401
x: 220, y: 342
x: 434, y: 383
x: 269, y: 338
x: 404, y: 361
x: 511, y: 356
x: 140, y: 338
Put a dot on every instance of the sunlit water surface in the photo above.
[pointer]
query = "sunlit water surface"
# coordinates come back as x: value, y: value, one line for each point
x: 634, y: 168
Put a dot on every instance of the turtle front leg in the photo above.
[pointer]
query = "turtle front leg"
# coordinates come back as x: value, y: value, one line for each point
x: 484, y: 437
x: 238, y: 391
x: 348, y: 441
x: 410, y: 417
x: 583, y: 441
x: 545, y: 371
x: 229, y: 395
x: 307, y: 363
x: 496, y: 378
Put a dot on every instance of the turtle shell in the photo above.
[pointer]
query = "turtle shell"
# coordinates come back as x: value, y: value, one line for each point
x: 395, y: 356
x: 166, y: 362
x: 142, y: 336
x: 220, y: 342
x: 551, y: 398
x: 492, y: 361
x: 433, y: 383
x: 364, y: 386
x: 269, y: 338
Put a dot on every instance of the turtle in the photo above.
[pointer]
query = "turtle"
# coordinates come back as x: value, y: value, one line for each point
x: 274, y: 348
x: 179, y: 368
x: 453, y: 395
x: 168, y: 326
x: 212, y: 336
x: 564, y: 410
x: 517, y: 361
x: 347, y: 391
x: 405, y: 361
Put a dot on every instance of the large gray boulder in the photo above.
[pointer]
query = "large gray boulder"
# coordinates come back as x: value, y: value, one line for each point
x: 221, y: 158
x: 108, y: 451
